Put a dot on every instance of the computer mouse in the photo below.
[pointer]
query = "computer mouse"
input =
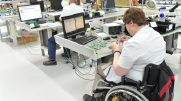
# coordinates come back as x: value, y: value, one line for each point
x: 114, y: 36
x: 106, y: 38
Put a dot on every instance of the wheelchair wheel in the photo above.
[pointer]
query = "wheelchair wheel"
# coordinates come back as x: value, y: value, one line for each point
x: 124, y: 93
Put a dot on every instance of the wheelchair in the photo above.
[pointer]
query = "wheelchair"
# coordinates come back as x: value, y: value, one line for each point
x: 150, y: 89
x: 124, y: 91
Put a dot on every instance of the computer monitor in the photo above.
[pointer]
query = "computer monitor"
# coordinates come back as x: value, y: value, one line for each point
x: 108, y: 4
x: 56, y: 4
x: 30, y: 12
x: 41, y: 4
x: 73, y: 25
x: 88, y: 1
x: 140, y: 1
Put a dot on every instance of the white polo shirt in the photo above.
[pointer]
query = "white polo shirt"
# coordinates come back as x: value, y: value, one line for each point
x: 72, y: 9
x: 145, y: 47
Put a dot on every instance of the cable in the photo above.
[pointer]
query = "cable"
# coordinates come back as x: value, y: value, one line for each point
x: 28, y: 43
x: 78, y: 61
x: 77, y: 71
x: 178, y: 16
x: 26, y: 47
x: 86, y: 73
x: 84, y: 78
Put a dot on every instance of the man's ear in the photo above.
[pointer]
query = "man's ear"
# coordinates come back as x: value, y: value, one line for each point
x: 131, y: 23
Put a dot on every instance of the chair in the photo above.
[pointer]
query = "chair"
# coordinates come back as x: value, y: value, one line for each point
x: 157, y: 85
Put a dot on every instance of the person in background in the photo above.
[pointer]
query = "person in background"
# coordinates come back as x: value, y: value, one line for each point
x: 68, y: 10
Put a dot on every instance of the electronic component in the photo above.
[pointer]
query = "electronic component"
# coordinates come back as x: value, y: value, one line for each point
x: 54, y: 16
x: 114, y: 36
x: 97, y: 14
x: 112, y: 28
x: 123, y: 27
x: 97, y: 44
x: 106, y: 38
x: 108, y: 4
x: 86, y: 16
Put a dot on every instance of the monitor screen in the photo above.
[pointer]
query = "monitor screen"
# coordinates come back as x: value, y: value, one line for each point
x: 41, y: 4
x: 73, y: 25
x: 108, y: 4
x: 56, y: 4
x: 30, y: 12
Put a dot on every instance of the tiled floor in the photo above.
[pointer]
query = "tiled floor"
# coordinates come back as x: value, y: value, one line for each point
x: 23, y: 77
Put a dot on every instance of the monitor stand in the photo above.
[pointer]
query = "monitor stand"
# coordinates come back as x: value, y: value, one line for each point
x: 73, y: 37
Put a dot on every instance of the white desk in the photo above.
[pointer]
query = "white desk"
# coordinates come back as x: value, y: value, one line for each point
x: 109, y: 15
x: 83, y: 49
x: 93, y: 54
x: 49, y: 32
x: 49, y: 29
x: 9, y: 20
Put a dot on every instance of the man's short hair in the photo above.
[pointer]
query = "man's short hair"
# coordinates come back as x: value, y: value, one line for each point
x: 73, y: 1
x: 136, y: 15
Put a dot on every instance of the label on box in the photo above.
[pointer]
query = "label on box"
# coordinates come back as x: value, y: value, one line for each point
x: 32, y: 25
x: 153, y: 24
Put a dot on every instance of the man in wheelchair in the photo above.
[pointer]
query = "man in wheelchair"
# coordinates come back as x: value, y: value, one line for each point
x: 139, y: 65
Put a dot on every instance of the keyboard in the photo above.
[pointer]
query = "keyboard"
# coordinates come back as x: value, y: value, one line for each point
x: 40, y: 22
x: 85, y: 39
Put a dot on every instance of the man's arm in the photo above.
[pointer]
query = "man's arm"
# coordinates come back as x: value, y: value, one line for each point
x: 60, y: 18
x: 119, y: 71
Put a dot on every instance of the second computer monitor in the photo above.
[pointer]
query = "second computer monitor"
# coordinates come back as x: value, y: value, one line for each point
x: 73, y: 25
x: 108, y: 4
x: 30, y: 12
x: 56, y: 4
x: 41, y: 4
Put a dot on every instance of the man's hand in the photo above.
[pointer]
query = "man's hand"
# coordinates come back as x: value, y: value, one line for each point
x: 124, y: 38
x: 115, y: 46
x: 60, y: 19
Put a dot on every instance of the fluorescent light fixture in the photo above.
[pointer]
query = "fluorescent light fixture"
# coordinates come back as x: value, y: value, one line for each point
x: 151, y: 4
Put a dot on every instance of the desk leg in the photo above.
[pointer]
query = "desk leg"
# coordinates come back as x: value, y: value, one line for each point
x: 1, y: 36
x: 42, y: 43
x: 7, y: 27
x: 49, y: 32
x: 13, y: 33
x: 43, y: 52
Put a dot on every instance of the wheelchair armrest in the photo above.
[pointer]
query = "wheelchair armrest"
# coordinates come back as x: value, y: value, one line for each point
x: 127, y: 81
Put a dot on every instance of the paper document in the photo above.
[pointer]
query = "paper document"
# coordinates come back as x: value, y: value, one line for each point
x: 51, y: 24
x: 102, y: 34
x: 153, y: 24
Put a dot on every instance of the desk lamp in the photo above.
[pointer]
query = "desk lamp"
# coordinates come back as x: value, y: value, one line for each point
x: 65, y: 3
x: 150, y: 4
